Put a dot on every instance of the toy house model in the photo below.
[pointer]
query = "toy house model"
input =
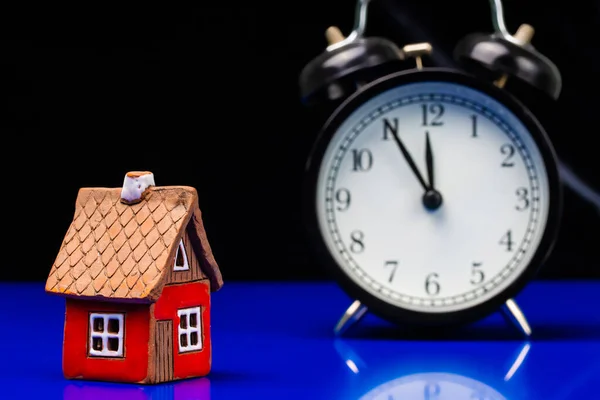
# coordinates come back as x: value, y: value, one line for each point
x: 137, y: 271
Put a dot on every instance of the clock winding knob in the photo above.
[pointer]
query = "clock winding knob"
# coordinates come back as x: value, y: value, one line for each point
x: 417, y: 51
x: 334, y: 35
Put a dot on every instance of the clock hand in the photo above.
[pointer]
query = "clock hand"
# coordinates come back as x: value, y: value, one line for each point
x: 410, y: 161
x: 432, y: 199
x: 429, y: 161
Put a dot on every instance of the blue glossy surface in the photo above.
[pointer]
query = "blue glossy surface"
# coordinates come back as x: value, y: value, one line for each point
x: 275, y: 341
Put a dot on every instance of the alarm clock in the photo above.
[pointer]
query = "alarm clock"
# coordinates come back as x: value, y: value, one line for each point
x: 433, y: 195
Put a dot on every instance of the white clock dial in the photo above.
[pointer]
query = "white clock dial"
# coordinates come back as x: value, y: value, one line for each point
x: 434, y: 386
x: 488, y: 170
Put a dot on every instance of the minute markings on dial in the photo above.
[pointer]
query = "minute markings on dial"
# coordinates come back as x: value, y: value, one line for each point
x: 416, y: 99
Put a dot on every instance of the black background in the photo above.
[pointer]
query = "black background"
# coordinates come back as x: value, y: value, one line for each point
x: 208, y: 97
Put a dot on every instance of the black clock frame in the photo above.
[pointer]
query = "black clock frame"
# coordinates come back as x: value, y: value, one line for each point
x: 377, y: 306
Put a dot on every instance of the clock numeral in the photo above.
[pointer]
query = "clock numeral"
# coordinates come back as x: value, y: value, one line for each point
x: 509, y: 151
x: 523, y: 196
x: 474, y: 125
x: 432, y: 286
x: 507, y: 240
x: 390, y: 128
x: 431, y: 391
x: 394, y: 266
x: 477, y: 275
x: 342, y: 196
x: 362, y: 160
x: 478, y: 396
x: 357, y: 245
x: 436, y: 111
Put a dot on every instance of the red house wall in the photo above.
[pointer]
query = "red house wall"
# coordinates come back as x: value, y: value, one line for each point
x: 76, y: 363
x: 174, y: 297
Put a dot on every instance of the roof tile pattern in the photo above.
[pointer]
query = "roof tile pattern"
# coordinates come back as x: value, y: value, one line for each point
x: 120, y: 251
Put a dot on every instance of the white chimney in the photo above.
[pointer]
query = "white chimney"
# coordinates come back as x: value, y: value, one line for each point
x: 135, y: 186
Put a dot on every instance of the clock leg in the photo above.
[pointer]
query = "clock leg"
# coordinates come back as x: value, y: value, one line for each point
x: 352, y: 315
x: 515, y: 316
x: 518, y: 361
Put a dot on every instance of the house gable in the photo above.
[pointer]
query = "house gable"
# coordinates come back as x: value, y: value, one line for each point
x: 194, y: 273
x: 181, y: 258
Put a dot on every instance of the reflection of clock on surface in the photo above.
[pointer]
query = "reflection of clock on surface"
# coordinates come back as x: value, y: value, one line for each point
x: 433, y: 386
x: 425, y: 373
x: 433, y: 195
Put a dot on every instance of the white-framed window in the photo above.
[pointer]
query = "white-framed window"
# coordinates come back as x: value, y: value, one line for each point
x: 106, y: 335
x: 189, y: 329
x: 181, y: 261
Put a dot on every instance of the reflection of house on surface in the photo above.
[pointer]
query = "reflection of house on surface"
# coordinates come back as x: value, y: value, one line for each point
x: 137, y: 275
x: 196, y: 389
x: 430, y: 386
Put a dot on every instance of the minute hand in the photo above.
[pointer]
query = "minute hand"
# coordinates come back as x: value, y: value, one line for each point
x: 429, y: 161
x: 410, y: 161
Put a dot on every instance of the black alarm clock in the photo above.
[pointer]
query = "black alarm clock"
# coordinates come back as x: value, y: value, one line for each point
x: 433, y: 195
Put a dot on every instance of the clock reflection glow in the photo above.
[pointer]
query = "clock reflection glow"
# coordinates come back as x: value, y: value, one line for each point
x: 433, y: 386
x: 421, y: 373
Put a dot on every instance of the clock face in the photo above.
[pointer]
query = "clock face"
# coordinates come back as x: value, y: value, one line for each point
x: 451, y: 231
x: 434, y: 386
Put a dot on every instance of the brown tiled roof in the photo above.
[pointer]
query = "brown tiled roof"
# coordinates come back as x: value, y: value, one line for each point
x: 120, y: 251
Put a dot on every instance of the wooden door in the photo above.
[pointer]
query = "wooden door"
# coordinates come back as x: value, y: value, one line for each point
x: 163, y: 357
